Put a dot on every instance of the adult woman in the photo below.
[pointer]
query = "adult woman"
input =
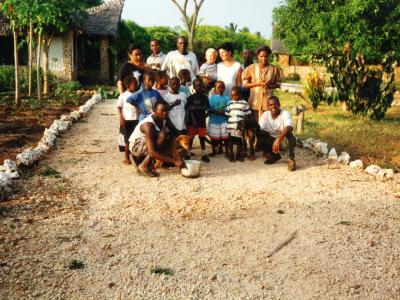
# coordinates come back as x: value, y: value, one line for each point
x: 261, y: 78
x: 135, y: 66
x: 228, y: 70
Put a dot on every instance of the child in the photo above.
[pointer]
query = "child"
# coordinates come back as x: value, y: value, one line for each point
x: 128, y: 115
x: 196, y: 114
x: 162, y: 83
x: 217, y: 122
x: 177, y: 102
x: 145, y: 98
x: 186, y: 82
x: 237, y: 111
x: 208, y: 70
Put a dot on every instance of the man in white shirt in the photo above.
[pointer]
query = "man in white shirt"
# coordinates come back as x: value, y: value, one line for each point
x: 180, y: 59
x: 156, y: 59
x: 276, y: 124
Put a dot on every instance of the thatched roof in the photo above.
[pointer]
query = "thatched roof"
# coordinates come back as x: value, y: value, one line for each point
x: 277, y: 45
x: 103, y: 19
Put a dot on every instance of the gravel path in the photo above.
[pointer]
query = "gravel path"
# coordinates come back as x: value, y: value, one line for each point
x: 209, y: 237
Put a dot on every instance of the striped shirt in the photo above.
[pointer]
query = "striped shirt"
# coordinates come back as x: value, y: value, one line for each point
x: 236, y: 112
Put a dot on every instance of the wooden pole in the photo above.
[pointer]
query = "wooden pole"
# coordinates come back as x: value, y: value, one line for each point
x: 30, y: 58
x: 15, y: 41
x: 300, y: 119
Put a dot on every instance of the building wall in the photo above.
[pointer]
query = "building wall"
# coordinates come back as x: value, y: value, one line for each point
x: 56, y: 59
x: 304, y: 70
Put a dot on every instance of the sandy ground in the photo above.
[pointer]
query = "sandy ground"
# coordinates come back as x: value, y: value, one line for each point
x: 212, y: 235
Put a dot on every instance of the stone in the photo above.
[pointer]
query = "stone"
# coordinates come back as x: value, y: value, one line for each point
x: 357, y: 164
x: 60, y: 126
x: 344, y: 158
x: 28, y: 157
x: 373, y: 169
x: 75, y: 116
x: 96, y: 97
x: 10, y: 166
x: 321, y: 148
x: 83, y: 109
x: 65, y: 118
x: 332, y: 156
x: 49, y: 137
x: 385, y: 174
x: 5, y: 179
x: 308, y: 143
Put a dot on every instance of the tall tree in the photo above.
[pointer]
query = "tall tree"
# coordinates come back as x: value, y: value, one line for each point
x: 10, y: 9
x: 189, y: 21
x: 310, y: 27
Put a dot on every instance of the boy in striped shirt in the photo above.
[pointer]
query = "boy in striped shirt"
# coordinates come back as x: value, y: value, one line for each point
x: 238, y: 111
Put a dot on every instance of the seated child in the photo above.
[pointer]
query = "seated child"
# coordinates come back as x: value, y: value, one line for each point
x: 186, y: 82
x: 161, y: 83
x: 196, y: 114
x: 237, y: 111
x: 218, y: 120
x: 128, y: 116
x: 208, y: 70
x: 145, y: 98
x: 177, y: 102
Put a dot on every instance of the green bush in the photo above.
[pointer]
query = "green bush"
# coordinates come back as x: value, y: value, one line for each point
x: 68, y: 88
x: 7, y: 79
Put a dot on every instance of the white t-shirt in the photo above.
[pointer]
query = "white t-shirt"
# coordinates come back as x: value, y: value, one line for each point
x: 228, y: 75
x: 137, y: 132
x: 129, y: 112
x: 177, y: 113
x: 175, y: 61
x: 155, y: 62
x: 275, y: 127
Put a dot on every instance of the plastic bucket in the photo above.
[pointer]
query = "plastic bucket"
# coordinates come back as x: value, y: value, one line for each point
x: 192, y: 169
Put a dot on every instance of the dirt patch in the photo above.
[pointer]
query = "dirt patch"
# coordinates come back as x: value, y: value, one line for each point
x: 20, y: 129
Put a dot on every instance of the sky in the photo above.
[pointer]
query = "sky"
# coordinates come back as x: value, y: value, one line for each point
x: 255, y: 14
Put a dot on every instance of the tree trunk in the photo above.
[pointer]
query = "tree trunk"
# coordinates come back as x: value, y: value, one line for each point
x: 30, y: 58
x: 15, y: 40
x: 39, y: 50
x: 46, y: 45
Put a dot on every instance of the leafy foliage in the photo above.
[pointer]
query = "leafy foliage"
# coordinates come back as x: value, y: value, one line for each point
x: 366, y: 90
x: 7, y: 78
x: 314, y: 87
x: 309, y: 27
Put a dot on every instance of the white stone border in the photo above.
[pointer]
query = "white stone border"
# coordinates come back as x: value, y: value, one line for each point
x: 321, y: 148
x: 10, y: 169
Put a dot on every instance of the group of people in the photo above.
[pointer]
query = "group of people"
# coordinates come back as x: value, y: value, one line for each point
x: 222, y: 102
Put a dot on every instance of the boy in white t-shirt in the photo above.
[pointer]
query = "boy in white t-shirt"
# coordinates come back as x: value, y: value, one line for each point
x: 276, y: 124
x: 176, y: 101
x: 128, y: 116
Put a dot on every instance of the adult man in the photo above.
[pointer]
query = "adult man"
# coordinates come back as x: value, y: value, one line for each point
x: 156, y: 59
x: 276, y: 124
x: 149, y: 138
x: 180, y: 59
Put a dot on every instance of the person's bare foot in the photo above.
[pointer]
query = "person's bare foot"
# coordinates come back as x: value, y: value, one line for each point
x: 292, y: 165
x: 127, y: 161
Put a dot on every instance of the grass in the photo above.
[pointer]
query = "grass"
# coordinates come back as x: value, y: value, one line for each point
x: 76, y: 265
x: 160, y: 270
x: 371, y: 141
x: 50, y: 172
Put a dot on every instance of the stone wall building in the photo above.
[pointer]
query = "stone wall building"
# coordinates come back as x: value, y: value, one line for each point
x: 79, y: 54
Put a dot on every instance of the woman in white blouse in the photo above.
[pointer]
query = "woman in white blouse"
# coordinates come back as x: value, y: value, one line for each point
x: 228, y: 70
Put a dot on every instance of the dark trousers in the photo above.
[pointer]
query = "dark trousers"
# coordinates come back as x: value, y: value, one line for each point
x: 265, y: 142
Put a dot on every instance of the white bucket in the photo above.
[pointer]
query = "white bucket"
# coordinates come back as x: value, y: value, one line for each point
x: 192, y: 169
